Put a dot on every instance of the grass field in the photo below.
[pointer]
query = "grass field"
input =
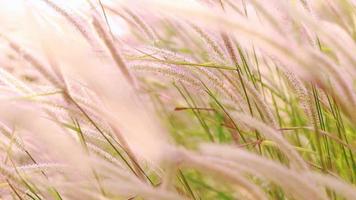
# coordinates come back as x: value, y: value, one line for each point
x: 166, y: 99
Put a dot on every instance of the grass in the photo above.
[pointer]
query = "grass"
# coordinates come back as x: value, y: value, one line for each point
x: 218, y: 99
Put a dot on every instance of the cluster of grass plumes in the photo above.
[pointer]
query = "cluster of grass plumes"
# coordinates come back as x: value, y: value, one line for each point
x: 209, y: 99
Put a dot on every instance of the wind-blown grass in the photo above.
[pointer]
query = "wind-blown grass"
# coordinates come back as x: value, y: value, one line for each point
x: 209, y: 99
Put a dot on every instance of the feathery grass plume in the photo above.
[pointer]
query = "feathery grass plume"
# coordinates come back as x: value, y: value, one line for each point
x: 224, y: 173
x: 230, y: 48
x: 303, y: 97
x: 13, y: 83
x: 32, y: 60
x: 211, y: 43
x: 213, y: 80
x: 103, y: 34
x: 248, y: 162
x: 148, y: 30
x: 76, y: 21
x: 172, y: 73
